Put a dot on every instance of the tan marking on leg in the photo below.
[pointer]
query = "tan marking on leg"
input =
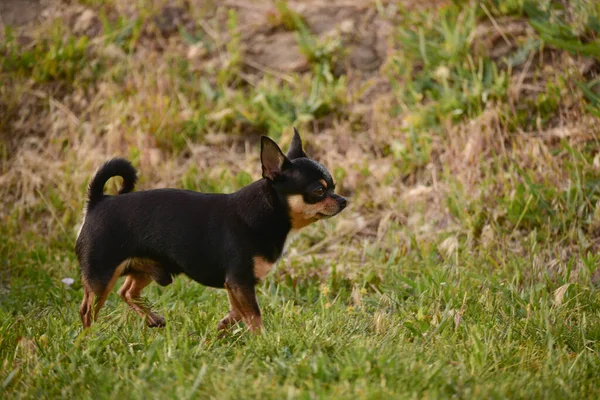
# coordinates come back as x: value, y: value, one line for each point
x: 150, y: 267
x: 261, y: 267
x: 131, y: 292
x: 101, y: 298
x: 228, y: 320
x: 85, y: 311
x: 125, y: 287
x: 146, y: 265
x: 243, y: 300
x: 232, y: 317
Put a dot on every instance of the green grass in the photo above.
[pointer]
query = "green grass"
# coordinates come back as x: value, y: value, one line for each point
x: 467, y: 325
x: 464, y: 326
x: 466, y: 265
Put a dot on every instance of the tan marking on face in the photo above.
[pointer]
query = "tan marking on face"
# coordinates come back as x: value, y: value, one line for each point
x: 323, y: 183
x: 303, y: 214
x: 261, y: 267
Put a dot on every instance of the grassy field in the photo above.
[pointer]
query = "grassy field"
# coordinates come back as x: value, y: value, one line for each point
x: 465, y: 134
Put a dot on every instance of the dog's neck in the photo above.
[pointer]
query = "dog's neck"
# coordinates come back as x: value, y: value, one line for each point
x: 265, y: 212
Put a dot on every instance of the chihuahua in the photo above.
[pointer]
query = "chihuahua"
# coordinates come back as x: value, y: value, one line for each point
x: 228, y: 241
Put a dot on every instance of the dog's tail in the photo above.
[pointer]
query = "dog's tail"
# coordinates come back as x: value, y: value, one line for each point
x: 115, y: 167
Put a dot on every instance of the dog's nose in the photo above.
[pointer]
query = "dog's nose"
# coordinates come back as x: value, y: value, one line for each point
x: 343, y: 202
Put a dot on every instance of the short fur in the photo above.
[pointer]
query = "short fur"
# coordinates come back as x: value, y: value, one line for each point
x: 219, y: 240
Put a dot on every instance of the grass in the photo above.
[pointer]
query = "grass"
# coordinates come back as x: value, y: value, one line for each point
x: 466, y: 265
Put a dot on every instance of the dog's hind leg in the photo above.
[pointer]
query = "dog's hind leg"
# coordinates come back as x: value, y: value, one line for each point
x: 86, y: 309
x: 103, y: 291
x: 95, y: 292
x: 131, y: 292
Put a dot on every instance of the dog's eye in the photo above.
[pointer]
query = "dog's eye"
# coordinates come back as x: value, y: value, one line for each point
x: 319, y: 191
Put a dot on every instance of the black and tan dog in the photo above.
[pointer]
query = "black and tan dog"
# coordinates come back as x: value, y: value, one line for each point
x: 226, y: 241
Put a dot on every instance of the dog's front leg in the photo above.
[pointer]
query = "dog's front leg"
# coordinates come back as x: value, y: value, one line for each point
x: 232, y: 317
x: 244, y: 306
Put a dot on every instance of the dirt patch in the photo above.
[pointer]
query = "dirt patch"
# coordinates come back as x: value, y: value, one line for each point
x: 279, y: 52
x: 363, y: 34
x: 20, y: 12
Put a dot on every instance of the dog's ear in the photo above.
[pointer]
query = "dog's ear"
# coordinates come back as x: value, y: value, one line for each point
x: 295, y: 150
x: 272, y: 158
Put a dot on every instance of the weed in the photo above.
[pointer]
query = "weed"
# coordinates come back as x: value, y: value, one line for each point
x: 438, y: 73
x: 57, y: 58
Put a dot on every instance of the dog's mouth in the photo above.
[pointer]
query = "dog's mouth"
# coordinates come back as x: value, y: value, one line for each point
x: 321, y: 215
x: 328, y: 212
x: 328, y: 208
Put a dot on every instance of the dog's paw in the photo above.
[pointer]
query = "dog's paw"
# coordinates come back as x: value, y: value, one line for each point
x: 222, y: 325
x: 156, y: 321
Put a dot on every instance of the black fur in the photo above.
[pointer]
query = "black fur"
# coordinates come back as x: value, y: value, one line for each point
x: 115, y: 167
x: 295, y: 150
x: 212, y: 238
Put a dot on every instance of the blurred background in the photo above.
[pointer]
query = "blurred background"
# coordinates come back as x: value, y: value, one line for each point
x: 435, y: 117
x: 465, y: 134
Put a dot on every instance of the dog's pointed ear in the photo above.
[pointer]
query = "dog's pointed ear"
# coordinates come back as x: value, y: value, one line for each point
x: 295, y: 150
x: 272, y: 159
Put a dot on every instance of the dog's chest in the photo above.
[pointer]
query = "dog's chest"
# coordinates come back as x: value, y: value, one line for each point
x: 262, y: 267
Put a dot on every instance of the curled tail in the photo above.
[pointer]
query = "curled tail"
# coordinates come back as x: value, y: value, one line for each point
x: 115, y: 167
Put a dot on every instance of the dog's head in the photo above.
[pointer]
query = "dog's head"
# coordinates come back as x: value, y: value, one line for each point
x: 305, y: 183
